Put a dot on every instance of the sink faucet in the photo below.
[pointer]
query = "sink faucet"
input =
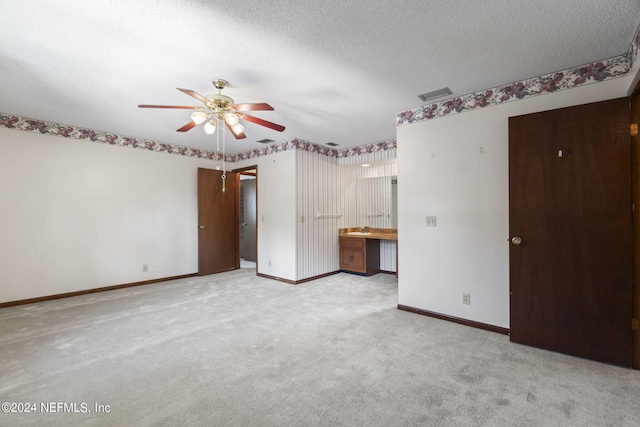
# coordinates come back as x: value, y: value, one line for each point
x: 363, y: 229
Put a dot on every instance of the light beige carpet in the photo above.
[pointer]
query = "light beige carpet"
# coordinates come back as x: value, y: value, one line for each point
x: 237, y: 350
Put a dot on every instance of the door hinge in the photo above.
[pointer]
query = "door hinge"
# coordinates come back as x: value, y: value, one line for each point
x: 633, y: 129
x: 635, y: 325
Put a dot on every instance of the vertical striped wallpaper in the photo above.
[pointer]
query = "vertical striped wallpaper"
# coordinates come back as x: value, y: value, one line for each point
x: 374, y: 202
x: 375, y: 207
x: 376, y: 156
x: 326, y: 187
x: 388, y: 255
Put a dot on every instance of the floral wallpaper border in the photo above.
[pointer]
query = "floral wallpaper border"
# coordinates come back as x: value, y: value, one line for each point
x: 73, y: 132
x: 594, y: 72
x: 390, y: 144
x: 585, y: 74
x: 632, y: 53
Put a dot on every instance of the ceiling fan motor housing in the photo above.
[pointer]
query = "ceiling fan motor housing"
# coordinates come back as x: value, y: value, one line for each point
x: 218, y: 101
x: 219, y: 105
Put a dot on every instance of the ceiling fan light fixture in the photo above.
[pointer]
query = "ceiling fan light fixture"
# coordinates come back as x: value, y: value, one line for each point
x: 238, y: 128
x: 232, y: 119
x: 198, y: 117
x: 210, y: 127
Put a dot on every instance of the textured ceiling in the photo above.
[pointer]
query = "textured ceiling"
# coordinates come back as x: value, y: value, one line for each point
x: 334, y: 71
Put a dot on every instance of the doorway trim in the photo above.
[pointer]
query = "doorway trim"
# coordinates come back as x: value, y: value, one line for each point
x: 635, y: 200
x: 635, y: 189
x: 250, y: 171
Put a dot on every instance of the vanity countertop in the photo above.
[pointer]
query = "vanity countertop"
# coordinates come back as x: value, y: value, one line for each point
x: 371, y: 233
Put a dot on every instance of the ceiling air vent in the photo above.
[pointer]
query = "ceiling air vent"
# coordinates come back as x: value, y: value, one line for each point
x: 332, y: 144
x: 435, y: 94
x: 266, y: 141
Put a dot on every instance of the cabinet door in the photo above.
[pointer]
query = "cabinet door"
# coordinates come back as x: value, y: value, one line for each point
x: 345, y: 259
x: 353, y: 254
x: 357, y: 261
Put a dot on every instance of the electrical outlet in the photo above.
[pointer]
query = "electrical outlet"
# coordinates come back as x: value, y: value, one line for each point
x: 145, y: 268
x: 430, y: 221
x: 466, y: 299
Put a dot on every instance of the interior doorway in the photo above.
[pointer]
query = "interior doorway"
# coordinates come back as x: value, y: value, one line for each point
x: 217, y: 222
x: 248, y: 230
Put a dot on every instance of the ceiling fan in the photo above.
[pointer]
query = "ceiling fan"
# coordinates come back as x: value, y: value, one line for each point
x: 220, y: 107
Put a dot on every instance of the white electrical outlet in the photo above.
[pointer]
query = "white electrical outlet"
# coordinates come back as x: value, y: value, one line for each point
x: 430, y: 221
x: 145, y: 268
x: 466, y: 299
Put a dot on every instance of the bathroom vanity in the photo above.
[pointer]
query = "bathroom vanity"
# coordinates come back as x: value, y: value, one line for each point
x: 360, y: 248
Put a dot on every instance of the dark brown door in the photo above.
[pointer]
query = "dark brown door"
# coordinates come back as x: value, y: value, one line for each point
x: 217, y: 222
x: 635, y: 154
x: 570, y: 204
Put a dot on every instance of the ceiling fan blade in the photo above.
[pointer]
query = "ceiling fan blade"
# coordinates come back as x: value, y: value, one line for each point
x: 195, y: 95
x: 184, y: 107
x: 187, y: 127
x: 253, y: 107
x: 238, y: 135
x: 262, y: 122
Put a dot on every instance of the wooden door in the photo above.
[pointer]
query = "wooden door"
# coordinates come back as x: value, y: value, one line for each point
x: 570, y: 203
x: 249, y: 220
x: 635, y: 185
x: 217, y: 222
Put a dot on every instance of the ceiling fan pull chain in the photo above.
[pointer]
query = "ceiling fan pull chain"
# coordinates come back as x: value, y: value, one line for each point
x: 224, y: 168
x: 218, y: 134
x: 224, y: 152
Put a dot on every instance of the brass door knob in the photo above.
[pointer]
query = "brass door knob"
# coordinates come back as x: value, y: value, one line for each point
x: 516, y: 240
x: 202, y: 227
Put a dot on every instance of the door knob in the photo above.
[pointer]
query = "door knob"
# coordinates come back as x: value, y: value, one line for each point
x: 202, y: 227
x: 516, y: 240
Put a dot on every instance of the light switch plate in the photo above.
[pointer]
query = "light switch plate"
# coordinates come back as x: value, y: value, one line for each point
x: 431, y: 221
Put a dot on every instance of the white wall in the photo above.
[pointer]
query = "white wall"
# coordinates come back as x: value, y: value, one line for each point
x: 77, y: 215
x: 456, y: 168
x: 276, y: 213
